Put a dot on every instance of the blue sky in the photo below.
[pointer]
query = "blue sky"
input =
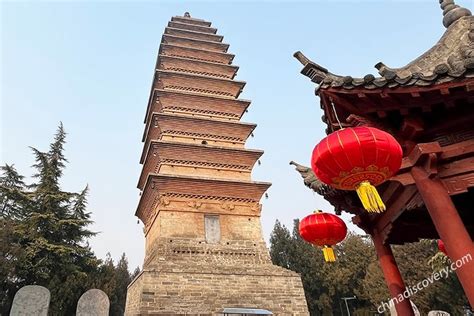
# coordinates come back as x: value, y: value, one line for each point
x: 90, y: 65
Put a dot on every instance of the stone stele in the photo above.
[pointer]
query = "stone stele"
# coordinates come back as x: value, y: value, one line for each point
x: 393, y: 311
x: 93, y: 303
x: 438, y: 313
x: 31, y: 300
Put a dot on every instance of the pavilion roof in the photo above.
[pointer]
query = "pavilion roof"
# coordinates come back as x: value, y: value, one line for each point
x: 450, y: 59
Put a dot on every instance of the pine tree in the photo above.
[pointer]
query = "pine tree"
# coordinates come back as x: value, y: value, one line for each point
x: 49, y: 225
x: 11, y: 190
x: 280, y: 244
x: 307, y: 260
x: 11, y: 186
x: 135, y: 273
x: 122, y: 279
x: 113, y: 280
x: 357, y: 273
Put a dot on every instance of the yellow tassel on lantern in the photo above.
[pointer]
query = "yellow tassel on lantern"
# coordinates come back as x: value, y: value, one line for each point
x: 370, y: 198
x: 329, y: 255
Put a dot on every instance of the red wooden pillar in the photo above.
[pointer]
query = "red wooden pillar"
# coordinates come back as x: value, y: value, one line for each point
x: 392, y: 275
x: 449, y: 225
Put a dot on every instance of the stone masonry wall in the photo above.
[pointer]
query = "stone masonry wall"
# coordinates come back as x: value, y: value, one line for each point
x: 208, y: 293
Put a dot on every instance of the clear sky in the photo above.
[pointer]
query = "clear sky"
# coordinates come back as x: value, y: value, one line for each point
x: 90, y: 65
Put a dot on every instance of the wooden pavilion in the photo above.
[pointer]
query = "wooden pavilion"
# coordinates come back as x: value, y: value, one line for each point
x: 428, y: 106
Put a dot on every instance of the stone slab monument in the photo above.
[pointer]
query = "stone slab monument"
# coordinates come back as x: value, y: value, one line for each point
x: 31, y: 300
x: 393, y: 311
x: 200, y: 208
x: 93, y: 303
x: 438, y: 313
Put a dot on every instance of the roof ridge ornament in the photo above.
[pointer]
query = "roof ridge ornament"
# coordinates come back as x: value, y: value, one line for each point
x: 452, y: 12
x: 187, y: 15
x: 301, y: 58
x: 385, y: 71
x: 315, y: 72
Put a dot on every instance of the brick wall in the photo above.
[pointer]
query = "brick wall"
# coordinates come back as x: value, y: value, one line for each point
x: 208, y: 293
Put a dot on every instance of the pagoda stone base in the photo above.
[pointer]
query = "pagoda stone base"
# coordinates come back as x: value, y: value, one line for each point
x: 208, y: 290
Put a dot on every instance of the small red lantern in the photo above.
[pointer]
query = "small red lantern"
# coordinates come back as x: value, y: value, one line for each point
x: 441, y: 247
x: 324, y: 230
x: 358, y: 158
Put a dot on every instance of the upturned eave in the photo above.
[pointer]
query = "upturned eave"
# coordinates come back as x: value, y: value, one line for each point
x: 203, y: 188
x: 158, y: 150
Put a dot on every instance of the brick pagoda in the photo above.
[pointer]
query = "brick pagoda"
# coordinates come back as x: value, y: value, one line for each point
x: 199, y: 206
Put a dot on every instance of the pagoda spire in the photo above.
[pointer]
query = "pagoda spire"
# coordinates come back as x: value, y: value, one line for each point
x: 452, y: 12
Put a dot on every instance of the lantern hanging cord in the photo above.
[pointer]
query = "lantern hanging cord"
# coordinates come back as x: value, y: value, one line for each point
x: 335, y: 112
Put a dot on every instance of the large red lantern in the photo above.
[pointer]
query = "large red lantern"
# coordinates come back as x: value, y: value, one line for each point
x: 324, y: 230
x: 358, y: 158
x: 441, y: 247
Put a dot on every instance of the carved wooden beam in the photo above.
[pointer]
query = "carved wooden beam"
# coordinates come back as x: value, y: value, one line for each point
x: 394, y: 210
x: 412, y: 127
x: 457, y: 176
x: 381, y: 101
x: 348, y: 106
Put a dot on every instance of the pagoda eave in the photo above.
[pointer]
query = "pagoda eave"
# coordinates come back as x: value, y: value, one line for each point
x: 190, y: 20
x: 192, y: 27
x: 162, y: 52
x: 192, y: 53
x: 244, y: 128
x: 231, y: 131
x: 234, y: 107
x: 222, y: 190
x: 203, y: 68
x: 205, y: 36
x: 196, y: 156
x: 179, y: 81
x: 195, y: 43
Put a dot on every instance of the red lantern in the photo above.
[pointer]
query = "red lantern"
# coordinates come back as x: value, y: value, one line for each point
x: 358, y: 158
x: 441, y: 247
x: 324, y: 230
